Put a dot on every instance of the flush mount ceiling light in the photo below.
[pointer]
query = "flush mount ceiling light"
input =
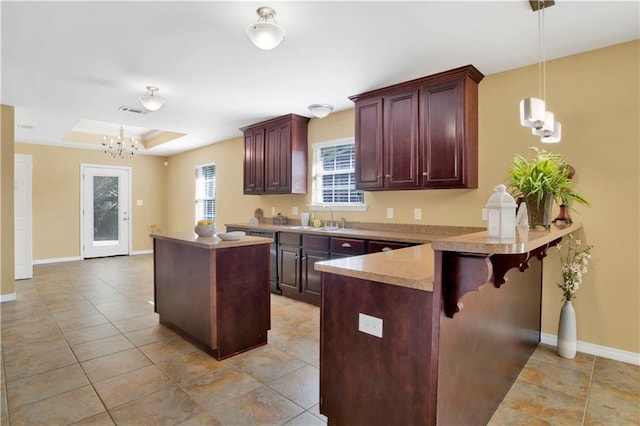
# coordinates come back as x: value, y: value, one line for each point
x: 320, y: 110
x: 533, y: 111
x: 266, y: 33
x: 119, y: 146
x: 151, y: 100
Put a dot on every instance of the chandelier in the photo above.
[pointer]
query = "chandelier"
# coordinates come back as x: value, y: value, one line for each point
x: 119, y: 146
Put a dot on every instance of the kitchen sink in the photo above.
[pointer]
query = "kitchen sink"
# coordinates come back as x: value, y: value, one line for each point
x: 321, y: 229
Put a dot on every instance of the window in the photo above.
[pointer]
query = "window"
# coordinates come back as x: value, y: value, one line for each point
x: 334, y: 174
x: 206, y: 192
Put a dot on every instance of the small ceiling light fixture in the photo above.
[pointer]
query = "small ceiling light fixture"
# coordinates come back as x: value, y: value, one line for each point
x: 151, y: 100
x: 533, y: 111
x: 320, y: 110
x: 119, y: 146
x: 265, y: 34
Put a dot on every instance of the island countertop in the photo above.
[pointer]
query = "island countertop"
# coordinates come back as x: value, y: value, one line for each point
x: 211, y: 243
x: 413, y: 267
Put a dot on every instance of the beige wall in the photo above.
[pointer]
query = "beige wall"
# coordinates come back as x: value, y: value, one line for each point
x: 596, y: 97
x: 56, y: 197
x: 7, y: 250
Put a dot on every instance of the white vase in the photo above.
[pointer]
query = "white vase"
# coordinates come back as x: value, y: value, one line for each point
x: 567, y: 331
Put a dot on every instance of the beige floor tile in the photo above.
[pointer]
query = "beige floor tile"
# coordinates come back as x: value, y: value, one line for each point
x: 306, y: 419
x: 64, y: 408
x: 187, y: 369
x: 221, y: 386
x: 163, y: 350
x: 306, y: 349
x: 261, y: 406
x: 88, y: 334
x: 613, y: 402
x: 315, y: 410
x: 301, y: 386
x: 101, y: 347
x: 102, y: 368
x: 130, y: 386
x: 549, y: 354
x: 267, y: 364
x: 617, y: 371
x: 44, y: 385
x: 38, y: 363
x: 102, y: 419
x: 137, y: 323
x: 555, y: 407
x: 27, y: 348
x: 552, y: 376
x: 168, y: 406
x: 81, y: 322
x: 506, y: 415
x: 158, y: 333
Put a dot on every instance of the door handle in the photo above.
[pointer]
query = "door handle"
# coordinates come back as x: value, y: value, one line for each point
x: 124, y: 218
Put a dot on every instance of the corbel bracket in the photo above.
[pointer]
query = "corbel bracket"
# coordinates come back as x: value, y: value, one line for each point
x: 503, y: 262
x: 462, y: 273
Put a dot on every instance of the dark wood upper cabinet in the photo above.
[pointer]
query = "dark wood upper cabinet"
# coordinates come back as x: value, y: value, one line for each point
x: 420, y: 134
x: 275, y: 157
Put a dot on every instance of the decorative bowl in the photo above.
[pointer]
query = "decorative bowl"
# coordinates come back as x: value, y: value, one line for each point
x: 231, y: 236
x: 205, y: 230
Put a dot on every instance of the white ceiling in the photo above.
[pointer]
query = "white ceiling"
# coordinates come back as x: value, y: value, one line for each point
x: 64, y: 62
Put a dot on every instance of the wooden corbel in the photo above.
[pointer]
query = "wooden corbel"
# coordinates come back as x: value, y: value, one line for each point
x: 503, y: 262
x: 462, y: 273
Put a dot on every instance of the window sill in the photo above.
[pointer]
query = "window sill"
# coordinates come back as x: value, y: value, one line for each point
x: 340, y: 207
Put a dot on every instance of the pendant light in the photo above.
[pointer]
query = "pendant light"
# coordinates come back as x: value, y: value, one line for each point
x: 264, y: 34
x: 150, y: 100
x: 533, y: 112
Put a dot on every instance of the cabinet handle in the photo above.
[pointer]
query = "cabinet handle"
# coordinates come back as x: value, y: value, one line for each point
x: 425, y: 174
x: 386, y: 249
x: 346, y: 245
x: 379, y: 177
x: 388, y: 176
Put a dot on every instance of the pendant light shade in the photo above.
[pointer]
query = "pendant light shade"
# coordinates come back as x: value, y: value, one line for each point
x: 151, y: 100
x: 320, y: 110
x: 532, y: 112
x: 547, y: 125
x: 555, y: 136
x: 265, y: 34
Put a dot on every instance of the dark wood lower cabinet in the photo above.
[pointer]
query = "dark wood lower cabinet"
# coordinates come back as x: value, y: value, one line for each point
x: 298, y: 253
x: 428, y: 368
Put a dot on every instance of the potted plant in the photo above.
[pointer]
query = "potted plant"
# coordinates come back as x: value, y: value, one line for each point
x: 539, y: 180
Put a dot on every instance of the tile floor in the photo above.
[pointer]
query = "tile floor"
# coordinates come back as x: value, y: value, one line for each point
x: 81, y: 345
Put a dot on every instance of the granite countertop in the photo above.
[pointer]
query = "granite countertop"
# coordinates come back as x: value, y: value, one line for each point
x: 400, y: 233
x: 408, y: 267
x: 413, y: 267
x: 211, y: 243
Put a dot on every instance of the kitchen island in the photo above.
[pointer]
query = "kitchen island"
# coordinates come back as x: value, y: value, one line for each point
x: 214, y: 293
x: 431, y: 334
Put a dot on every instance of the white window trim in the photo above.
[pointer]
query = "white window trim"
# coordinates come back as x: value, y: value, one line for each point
x: 360, y: 207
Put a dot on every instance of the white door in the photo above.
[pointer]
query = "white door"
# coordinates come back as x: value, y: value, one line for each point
x: 105, y: 211
x: 23, y: 175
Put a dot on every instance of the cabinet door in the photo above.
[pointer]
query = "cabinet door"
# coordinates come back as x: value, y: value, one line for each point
x: 289, y: 268
x: 278, y: 158
x: 311, y: 279
x: 253, y: 161
x: 369, y: 154
x: 443, y: 136
x: 401, y: 140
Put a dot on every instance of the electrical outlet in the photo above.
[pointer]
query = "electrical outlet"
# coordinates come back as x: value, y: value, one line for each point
x: 370, y: 325
x: 389, y: 212
x: 273, y: 211
x: 139, y: 202
x: 294, y: 210
x: 417, y: 214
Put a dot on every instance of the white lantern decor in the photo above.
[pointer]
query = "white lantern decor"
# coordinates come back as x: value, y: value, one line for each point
x: 500, y: 213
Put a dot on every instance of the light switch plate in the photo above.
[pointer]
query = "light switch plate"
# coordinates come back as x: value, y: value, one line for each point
x: 389, y: 212
x: 417, y: 213
x: 273, y: 211
x: 139, y: 202
x: 370, y: 325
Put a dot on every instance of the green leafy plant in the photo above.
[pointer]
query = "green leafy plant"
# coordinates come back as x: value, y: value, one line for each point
x: 544, y: 172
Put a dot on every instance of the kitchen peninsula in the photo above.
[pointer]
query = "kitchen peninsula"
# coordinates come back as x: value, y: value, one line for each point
x: 214, y: 293
x: 431, y: 334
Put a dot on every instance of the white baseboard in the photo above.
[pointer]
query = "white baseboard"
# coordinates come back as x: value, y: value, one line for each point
x: 137, y: 252
x: 598, y: 350
x: 55, y: 260
x: 7, y: 297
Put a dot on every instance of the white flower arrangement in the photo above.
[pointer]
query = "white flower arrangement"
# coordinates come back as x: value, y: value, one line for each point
x: 574, y: 266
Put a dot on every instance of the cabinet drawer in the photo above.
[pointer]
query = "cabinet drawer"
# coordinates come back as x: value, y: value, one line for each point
x: 347, y: 246
x: 315, y: 242
x: 377, y: 246
x: 290, y: 238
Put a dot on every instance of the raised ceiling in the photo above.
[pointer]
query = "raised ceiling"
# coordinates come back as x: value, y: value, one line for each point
x: 69, y: 63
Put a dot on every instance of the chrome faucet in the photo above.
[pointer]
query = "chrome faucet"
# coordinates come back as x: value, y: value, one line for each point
x: 342, y: 223
x: 331, y: 212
